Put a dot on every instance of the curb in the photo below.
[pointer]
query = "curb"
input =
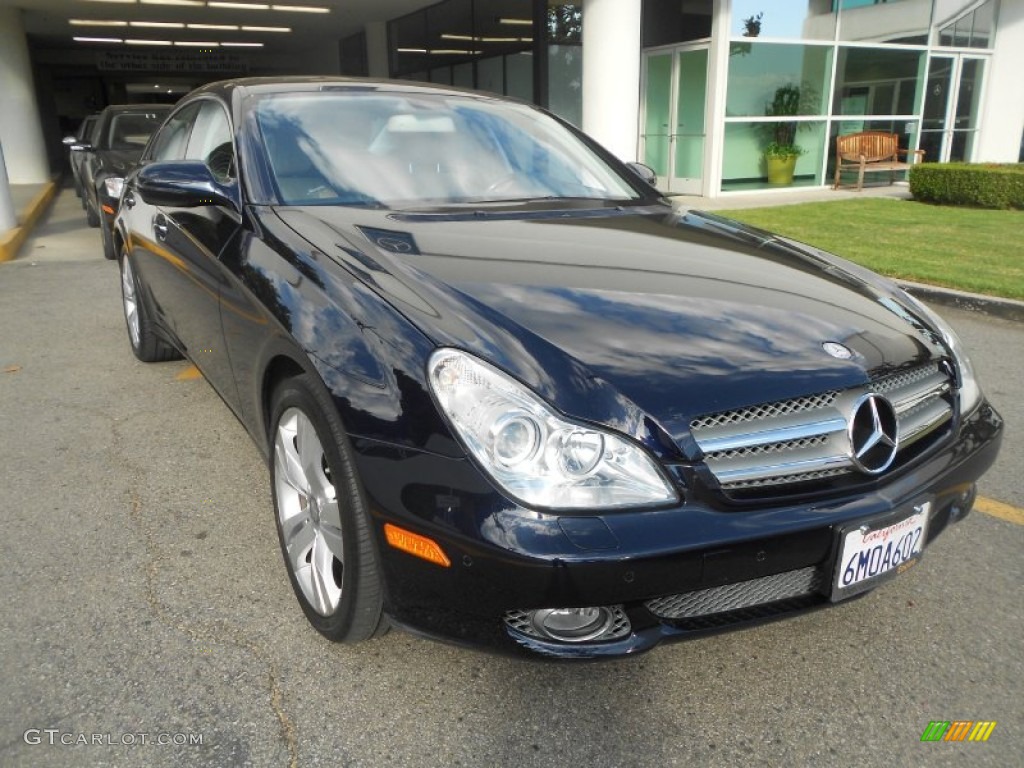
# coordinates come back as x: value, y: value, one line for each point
x: 12, y: 240
x: 1007, y: 309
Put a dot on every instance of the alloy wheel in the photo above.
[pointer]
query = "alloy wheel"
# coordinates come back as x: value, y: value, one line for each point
x: 131, y: 306
x: 308, y: 511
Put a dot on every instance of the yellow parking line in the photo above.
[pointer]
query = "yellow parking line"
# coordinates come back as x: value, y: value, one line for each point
x: 189, y: 374
x: 998, y: 509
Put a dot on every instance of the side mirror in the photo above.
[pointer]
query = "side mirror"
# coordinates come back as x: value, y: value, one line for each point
x: 645, y: 172
x: 67, y: 141
x: 182, y: 184
x: 76, y: 145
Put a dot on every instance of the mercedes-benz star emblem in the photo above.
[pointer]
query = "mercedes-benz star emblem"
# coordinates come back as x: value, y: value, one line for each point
x: 874, y: 434
x: 837, y: 350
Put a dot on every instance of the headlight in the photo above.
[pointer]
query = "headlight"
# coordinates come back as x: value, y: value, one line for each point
x: 970, y: 390
x: 113, y: 185
x: 537, y: 456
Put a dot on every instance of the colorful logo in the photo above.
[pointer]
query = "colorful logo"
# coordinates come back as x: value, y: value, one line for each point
x: 958, y: 730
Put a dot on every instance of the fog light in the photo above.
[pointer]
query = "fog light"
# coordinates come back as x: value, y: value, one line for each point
x: 572, y: 625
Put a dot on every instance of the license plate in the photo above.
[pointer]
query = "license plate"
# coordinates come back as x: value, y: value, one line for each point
x: 870, y: 554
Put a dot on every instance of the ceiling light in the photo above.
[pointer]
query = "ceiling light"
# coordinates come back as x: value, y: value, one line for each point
x: 471, y: 38
x: 94, y: 23
x: 172, y: 2
x: 241, y: 45
x: 412, y: 50
x: 515, y: 22
x: 228, y: 27
x: 301, y: 8
x: 148, y: 42
x: 122, y: 2
x: 97, y: 39
x: 453, y: 51
x: 239, y: 6
x: 195, y: 44
x: 158, y: 24
x: 266, y: 29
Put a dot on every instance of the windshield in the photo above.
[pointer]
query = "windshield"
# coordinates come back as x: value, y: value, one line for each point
x: 403, y: 150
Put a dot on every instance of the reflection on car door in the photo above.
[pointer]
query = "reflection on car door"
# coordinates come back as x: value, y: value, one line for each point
x: 186, y: 276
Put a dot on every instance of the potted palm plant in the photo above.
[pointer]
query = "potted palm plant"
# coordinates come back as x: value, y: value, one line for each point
x: 781, y: 151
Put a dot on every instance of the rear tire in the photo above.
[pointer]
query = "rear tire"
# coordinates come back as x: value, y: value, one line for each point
x: 147, y: 346
x: 322, y: 522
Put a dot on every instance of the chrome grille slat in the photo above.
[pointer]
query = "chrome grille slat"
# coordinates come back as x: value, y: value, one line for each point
x: 919, y: 391
x: 790, y: 427
x: 807, y: 438
x: 753, y: 469
x: 918, y: 422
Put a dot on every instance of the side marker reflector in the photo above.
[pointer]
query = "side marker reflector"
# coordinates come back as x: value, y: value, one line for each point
x: 416, y: 545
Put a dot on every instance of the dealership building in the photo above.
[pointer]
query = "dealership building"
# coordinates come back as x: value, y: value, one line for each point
x: 693, y: 88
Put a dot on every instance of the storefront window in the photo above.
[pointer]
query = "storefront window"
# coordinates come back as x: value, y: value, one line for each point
x: 972, y: 29
x: 804, y: 20
x: 565, y: 61
x: 744, y: 164
x: 895, y: 21
x: 878, y: 81
x: 676, y: 21
x: 759, y: 70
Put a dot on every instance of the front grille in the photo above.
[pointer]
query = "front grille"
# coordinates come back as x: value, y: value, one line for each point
x: 804, y: 440
x: 802, y: 582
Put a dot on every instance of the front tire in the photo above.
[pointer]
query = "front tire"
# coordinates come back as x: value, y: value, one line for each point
x: 146, y: 345
x: 92, y: 216
x: 109, y: 250
x: 322, y: 522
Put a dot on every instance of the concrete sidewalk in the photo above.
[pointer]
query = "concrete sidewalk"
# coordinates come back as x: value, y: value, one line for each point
x: 31, y: 202
x: 791, y: 196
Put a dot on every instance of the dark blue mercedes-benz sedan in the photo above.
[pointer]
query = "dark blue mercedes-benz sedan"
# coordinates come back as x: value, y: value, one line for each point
x: 509, y: 396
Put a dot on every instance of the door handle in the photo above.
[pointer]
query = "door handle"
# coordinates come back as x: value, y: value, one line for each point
x: 160, y: 226
x: 129, y: 200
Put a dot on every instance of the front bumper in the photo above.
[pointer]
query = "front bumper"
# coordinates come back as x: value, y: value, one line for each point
x: 727, y: 567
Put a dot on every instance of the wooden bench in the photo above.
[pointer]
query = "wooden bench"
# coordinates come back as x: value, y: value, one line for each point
x: 871, y: 151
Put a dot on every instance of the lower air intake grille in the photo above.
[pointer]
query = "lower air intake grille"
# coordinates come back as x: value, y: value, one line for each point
x: 732, y: 597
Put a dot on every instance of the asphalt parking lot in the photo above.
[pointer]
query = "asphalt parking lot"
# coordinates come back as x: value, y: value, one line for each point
x: 144, y: 599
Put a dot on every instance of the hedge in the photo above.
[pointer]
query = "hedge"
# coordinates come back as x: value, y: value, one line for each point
x: 984, y: 185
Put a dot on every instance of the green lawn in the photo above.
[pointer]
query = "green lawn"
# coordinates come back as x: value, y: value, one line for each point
x: 966, y: 248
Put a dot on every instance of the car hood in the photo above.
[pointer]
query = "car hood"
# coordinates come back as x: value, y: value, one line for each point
x: 625, y: 315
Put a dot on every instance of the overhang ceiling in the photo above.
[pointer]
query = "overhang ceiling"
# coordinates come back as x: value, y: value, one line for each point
x: 48, y: 22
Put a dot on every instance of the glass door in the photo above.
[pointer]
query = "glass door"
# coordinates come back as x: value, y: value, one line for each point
x: 674, y: 124
x: 951, y: 106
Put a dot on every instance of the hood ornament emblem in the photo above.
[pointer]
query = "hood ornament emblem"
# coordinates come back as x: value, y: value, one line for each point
x: 837, y: 350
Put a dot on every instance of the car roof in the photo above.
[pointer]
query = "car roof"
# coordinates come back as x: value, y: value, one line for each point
x: 231, y: 90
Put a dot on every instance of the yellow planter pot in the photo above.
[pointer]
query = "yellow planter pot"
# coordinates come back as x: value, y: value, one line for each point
x: 780, y: 169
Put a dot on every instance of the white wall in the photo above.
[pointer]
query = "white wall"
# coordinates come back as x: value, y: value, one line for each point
x: 21, y: 133
x: 1003, y: 111
x: 611, y: 74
